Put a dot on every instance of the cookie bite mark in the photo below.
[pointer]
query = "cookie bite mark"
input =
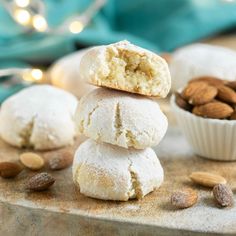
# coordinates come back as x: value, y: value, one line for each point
x: 126, y: 67
x: 130, y: 70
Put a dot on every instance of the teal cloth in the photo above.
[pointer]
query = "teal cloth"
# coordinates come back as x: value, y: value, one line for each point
x: 158, y: 25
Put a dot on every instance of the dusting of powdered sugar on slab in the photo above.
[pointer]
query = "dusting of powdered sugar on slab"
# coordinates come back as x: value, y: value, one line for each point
x: 152, y: 214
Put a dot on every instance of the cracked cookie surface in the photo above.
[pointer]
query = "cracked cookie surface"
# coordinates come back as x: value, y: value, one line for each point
x: 39, y: 117
x: 108, y: 172
x: 120, y: 118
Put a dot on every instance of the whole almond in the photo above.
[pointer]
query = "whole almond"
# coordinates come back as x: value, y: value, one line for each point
x: 231, y: 84
x: 192, y: 88
x: 184, y: 198
x: 32, y: 160
x: 207, y: 179
x: 182, y: 103
x: 233, y: 116
x: 226, y: 94
x: 216, y: 82
x: 9, y: 169
x: 214, y: 110
x: 60, y: 160
x: 223, y: 195
x: 203, y: 96
x: 40, y: 182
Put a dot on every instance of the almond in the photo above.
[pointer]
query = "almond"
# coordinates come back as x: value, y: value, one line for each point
x: 209, y: 80
x: 60, y: 160
x: 166, y: 56
x: 40, y: 182
x: 182, y: 103
x: 223, y: 195
x: 9, y: 169
x: 32, y: 160
x: 214, y: 110
x: 231, y: 84
x: 204, y: 95
x: 207, y: 179
x: 192, y: 88
x: 226, y: 94
x: 233, y: 116
x: 184, y: 198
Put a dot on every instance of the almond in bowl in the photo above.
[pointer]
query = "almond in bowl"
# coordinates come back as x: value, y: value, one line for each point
x: 206, y: 112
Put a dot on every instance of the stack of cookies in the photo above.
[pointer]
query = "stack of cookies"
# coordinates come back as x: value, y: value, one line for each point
x: 116, y: 162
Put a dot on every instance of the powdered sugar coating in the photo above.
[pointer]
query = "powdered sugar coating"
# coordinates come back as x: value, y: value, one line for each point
x: 40, y: 116
x: 65, y: 74
x: 96, y: 68
x: 120, y: 118
x: 202, y: 60
x: 109, y: 172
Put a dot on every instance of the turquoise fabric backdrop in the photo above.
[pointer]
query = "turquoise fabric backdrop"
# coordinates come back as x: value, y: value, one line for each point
x: 159, y: 25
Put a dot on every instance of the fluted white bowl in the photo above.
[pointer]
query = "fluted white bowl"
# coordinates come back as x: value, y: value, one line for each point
x: 211, y: 138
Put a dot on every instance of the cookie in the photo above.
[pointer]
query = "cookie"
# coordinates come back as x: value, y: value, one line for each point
x: 120, y: 118
x: 199, y: 60
x: 65, y: 74
x: 124, y: 66
x: 108, y: 172
x: 39, y: 117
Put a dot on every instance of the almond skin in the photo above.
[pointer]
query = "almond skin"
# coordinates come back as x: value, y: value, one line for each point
x: 223, y: 195
x: 184, y: 198
x: 226, y: 94
x: 32, y: 160
x: 192, y: 88
x: 9, y: 169
x: 214, y: 110
x: 182, y: 103
x: 203, y: 96
x: 167, y: 56
x: 231, y: 84
x: 207, y: 179
x: 40, y: 182
x: 60, y: 160
x: 213, y: 81
x: 233, y: 116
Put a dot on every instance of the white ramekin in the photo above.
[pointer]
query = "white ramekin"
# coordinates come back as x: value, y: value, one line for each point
x: 211, y: 138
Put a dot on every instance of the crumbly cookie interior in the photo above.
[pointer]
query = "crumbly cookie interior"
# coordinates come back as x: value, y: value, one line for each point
x: 135, y: 191
x: 131, y: 70
x: 26, y: 134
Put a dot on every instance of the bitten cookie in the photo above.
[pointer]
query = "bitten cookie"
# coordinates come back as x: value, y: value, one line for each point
x: 109, y: 172
x: 65, y: 74
x: 126, y: 67
x: 120, y: 118
x: 39, y: 117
